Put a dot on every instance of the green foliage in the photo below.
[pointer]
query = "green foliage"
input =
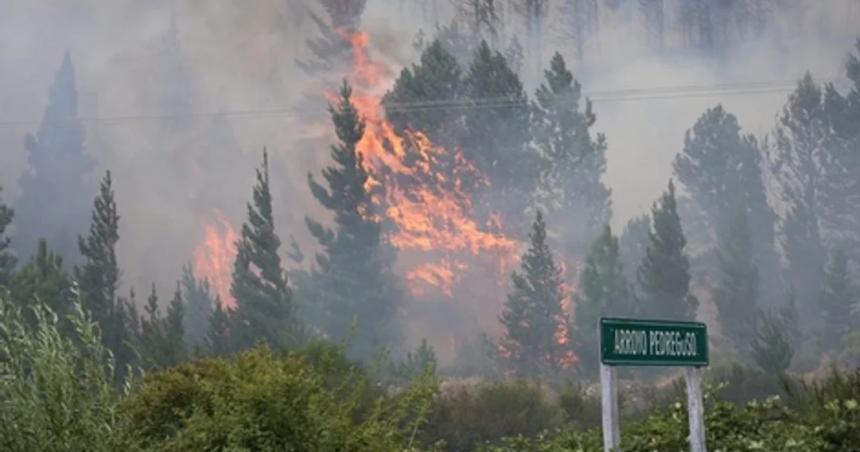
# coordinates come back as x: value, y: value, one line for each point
x: 259, y: 401
x: 98, y: 275
x: 772, y: 350
x: 722, y: 169
x: 572, y: 162
x: 736, y: 293
x: 7, y: 258
x: 56, y: 388
x: 632, y: 245
x: 199, y: 306
x: 496, y: 138
x: 465, y: 417
x: 532, y: 316
x: 265, y: 309
x: 218, y: 341
x: 161, y: 341
x: 417, y: 363
x: 580, y: 407
x: 437, y: 78
x: 664, y: 274
x: 603, y: 291
x: 54, y: 188
x: 352, y: 291
x: 43, y: 279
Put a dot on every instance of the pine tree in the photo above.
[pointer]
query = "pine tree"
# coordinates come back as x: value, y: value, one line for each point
x: 664, y: 274
x: 151, y: 334
x: 736, y: 294
x: 843, y: 112
x: 496, y: 136
x: 218, y: 335
x: 265, y: 308
x: 7, y: 258
x: 352, y: 285
x: 436, y: 79
x: 161, y: 337
x: 174, y: 332
x: 98, y: 276
x: 53, y: 201
x: 838, y: 299
x: 200, y: 305
x: 533, y: 316
x: 572, y: 161
x: 43, y: 278
x: 633, y: 243
x: 772, y: 349
x: 721, y: 168
x: 603, y: 291
x: 802, y: 166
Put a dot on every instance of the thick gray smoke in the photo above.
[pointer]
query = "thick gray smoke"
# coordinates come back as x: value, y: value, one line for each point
x: 178, y: 98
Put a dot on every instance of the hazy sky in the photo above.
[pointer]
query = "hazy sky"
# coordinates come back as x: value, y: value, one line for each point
x: 240, y: 57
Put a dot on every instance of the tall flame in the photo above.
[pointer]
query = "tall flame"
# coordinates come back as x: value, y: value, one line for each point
x: 425, y: 191
x: 213, y: 258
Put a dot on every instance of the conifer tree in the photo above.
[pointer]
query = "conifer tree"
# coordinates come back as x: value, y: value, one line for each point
x: 42, y: 278
x: 436, y: 79
x: 264, y: 301
x: 53, y: 204
x: 722, y: 170
x: 533, y: 314
x: 151, y: 336
x: 199, y: 306
x: 7, y: 258
x: 603, y: 291
x: 632, y: 244
x: 174, y: 329
x: 736, y: 293
x: 838, y: 299
x: 772, y: 348
x: 98, y: 276
x: 218, y: 340
x: 161, y: 337
x: 352, y: 285
x: 572, y: 162
x: 802, y: 156
x: 664, y: 274
x: 496, y: 136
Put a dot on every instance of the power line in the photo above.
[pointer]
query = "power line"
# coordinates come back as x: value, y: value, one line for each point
x: 597, y: 96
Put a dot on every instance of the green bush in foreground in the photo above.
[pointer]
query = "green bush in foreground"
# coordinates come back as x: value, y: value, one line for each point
x: 56, y: 390
x: 259, y: 401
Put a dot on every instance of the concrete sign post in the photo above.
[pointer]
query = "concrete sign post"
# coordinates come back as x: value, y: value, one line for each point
x: 631, y: 342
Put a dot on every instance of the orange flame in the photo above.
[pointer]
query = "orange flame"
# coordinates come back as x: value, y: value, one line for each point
x: 213, y: 259
x: 424, y: 193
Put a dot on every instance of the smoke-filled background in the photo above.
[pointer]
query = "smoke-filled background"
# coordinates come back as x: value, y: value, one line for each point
x: 178, y: 99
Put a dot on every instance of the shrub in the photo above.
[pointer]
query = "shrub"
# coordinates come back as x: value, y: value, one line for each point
x: 56, y: 390
x: 465, y: 417
x: 259, y: 401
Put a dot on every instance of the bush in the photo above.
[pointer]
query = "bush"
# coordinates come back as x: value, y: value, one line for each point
x: 258, y: 401
x: 56, y: 390
x: 467, y: 416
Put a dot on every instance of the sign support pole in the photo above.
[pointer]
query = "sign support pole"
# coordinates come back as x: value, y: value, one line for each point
x: 609, y: 402
x: 695, y: 409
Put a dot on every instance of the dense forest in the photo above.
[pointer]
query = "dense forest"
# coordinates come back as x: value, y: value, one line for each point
x: 432, y: 278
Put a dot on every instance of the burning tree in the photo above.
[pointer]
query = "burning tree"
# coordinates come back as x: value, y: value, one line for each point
x: 352, y: 288
x: 536, y: 341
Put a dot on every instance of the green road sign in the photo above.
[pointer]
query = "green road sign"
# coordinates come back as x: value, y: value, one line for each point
x: 632, y: 342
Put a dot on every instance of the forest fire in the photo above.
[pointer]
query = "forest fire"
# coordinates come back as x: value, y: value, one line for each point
x: 213, y: 258
x: 424, y: 192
